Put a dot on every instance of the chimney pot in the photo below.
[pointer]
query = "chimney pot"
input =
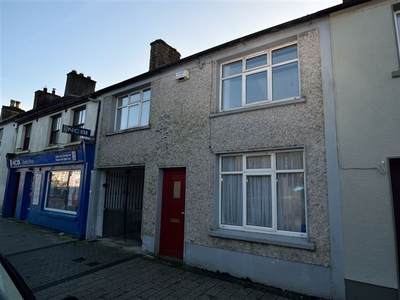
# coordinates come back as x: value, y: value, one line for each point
x: 12, y: 103
x: 53, y: 92
x: 45, y: 89
x: 17, y: 103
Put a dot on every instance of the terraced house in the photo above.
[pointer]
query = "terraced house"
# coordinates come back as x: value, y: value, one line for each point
x: 219, y: 159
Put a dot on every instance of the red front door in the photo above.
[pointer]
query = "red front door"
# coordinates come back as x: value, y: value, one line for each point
x: 173, y: 213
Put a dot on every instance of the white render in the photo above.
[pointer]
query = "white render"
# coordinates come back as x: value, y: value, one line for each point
x: 41, y: 128
x: 7, y: 146
x: 365, y: 54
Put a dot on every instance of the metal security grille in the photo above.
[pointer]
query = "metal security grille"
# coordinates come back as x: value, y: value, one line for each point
x: 123, y: 204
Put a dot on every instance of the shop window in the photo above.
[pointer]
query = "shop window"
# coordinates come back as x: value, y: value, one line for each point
x: 79, y: 121
x: 27, y: 136
x: 63, y: 191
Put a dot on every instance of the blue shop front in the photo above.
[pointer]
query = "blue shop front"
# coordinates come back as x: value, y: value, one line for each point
x: 51, y: 189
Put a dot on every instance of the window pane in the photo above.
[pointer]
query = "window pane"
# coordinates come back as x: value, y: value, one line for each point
x: 289, y: 161
x: 123, y: 101
x: 231, y: 200
x: 56, y: 124
x: 145, y: 113
x: 134, y: 98
x: 63, y: 191
x: 232, y: 163
x: 291, y: 203
x: 285, y: 81
x: 259, y: 201
x: 232, y: 69
x: 232, y: 93
x: 133, y: 116
x: 79, y: 117
x: 256, y: 61
x: 256, y: 87
x: 146, y: 95
x: 258, y: 162
x: 122, y: 118
x: 284, y: 54
x: 176, y: 194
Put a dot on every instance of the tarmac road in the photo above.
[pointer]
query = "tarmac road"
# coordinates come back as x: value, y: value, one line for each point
x: 56, y: 265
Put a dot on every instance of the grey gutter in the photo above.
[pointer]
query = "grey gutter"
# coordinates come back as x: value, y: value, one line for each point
x: 289, y: 24
x: 54, y: 106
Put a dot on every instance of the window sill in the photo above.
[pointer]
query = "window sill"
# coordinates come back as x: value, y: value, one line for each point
x: 396, y: 74
x: 59, y: 215
x: 286, y: 241
x: 52, y: 147
x: 18, y: 152
x: 258, y: 107
x: 128, y: 130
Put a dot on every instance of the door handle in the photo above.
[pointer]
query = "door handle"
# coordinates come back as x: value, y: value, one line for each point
x: 183, y: 213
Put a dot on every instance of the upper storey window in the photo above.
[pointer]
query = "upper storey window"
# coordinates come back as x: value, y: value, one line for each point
x: 263, y: 77
x: 79, y: 121
x: 133, y: 110
x: 27, y: 136
x: 55, y: 132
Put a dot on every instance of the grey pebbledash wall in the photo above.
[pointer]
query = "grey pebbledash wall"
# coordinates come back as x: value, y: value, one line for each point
x: 186, y: 130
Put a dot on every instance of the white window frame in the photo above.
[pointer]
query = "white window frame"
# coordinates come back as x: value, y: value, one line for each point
x: 396, y: 15
x: 117, y: 126
x: 269, y: 172
x: 268, y: 68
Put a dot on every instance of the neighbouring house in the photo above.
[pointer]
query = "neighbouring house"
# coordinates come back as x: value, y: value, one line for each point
x: 366, y: 69
x: 49, y: 169
x: 220, y: 158
x: 7, y: 140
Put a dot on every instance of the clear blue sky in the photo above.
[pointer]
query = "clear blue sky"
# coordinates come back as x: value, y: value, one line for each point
x: 110, y: 41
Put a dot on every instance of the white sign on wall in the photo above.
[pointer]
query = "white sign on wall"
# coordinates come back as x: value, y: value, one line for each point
x: 36, y: 191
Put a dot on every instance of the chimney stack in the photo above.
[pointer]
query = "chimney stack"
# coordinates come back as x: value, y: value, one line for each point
x: 162, y: 54
x: 10, y: 111
x: 43, y: 97
x: 78, y: 84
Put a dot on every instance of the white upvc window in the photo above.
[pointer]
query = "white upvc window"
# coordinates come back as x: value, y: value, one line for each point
x: 263, y: 192
x: 266, y: 76
x: 397, y: 22
x: 133, y: 110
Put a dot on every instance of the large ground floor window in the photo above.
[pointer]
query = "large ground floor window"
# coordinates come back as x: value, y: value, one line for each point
x: 63, y: 191
x: 263, y: 192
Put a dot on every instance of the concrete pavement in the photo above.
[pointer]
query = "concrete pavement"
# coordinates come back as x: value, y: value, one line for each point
x: 55, y: 265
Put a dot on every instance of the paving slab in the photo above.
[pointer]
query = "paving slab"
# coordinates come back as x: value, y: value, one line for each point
x: 57, y: 265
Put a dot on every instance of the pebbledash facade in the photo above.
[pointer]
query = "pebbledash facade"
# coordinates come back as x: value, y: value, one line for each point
x: 220, y: 159
x: 49, y: 167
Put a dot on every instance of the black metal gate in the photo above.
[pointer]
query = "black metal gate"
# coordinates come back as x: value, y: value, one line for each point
x: 123, y: 204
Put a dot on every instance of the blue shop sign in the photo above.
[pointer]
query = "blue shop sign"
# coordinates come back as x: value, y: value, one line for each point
x: 48, y: 159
